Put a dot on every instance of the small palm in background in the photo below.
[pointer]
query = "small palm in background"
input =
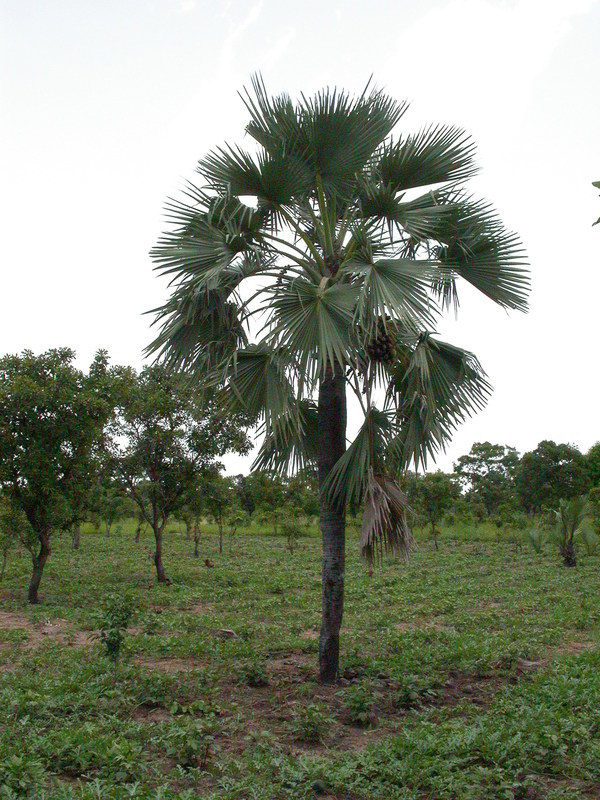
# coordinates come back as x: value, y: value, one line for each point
x: 570, y: 523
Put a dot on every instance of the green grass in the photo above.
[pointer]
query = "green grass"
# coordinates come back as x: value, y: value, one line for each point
x: 473, y: 672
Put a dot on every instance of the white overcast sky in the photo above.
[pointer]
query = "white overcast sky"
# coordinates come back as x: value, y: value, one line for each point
x: 108, y: 104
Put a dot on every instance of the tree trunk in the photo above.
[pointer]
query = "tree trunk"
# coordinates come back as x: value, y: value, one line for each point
x: 434, y: 531
x: 38, y: 567
x: 332, y: 444
x: 76, y: 535
x: 160, y: 570
x: 4, y: 563
x: 569, y: 555
x: 196, y: 540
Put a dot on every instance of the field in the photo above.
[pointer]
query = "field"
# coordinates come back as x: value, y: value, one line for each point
x: 468, y: 673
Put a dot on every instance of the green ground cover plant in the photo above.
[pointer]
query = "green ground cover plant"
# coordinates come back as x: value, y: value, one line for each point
x: 470, y: 672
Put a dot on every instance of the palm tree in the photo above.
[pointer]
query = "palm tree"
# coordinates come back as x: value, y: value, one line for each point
x: 570, y: 523
x: 317, y: 263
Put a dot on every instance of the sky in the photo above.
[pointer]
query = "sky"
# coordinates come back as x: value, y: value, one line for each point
x: 106, y: 107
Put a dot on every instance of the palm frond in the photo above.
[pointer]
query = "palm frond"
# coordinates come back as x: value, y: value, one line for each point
x: 199, y: 328
x: 393, y: 287
x: 332, y: 133
x: 347, y: 481
x: 441, y: 387
x: 257, y: 381
x: 438, y: 154
x: 425, y: 217
x: 384, y: 527
x: 274, y: 179
x: 480, y: 250
x: 313, y: 320
x: 208, y: 237
x: 293, y: 444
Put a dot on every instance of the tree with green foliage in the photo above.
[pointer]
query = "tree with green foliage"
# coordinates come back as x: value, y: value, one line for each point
x: 51, y: 420
x: 592, y: 463
x: 302, y: 492
x: 550, y: 473
x: 244, y: 494
x: 487, y: 474
x: 14, y: 529
x: 432, y: 495
x: 222, y: 503
x: 594, y: 508
x: 193, y: 506
x: 109, y: 503
x: 320, y: 262
x: 165, y: 434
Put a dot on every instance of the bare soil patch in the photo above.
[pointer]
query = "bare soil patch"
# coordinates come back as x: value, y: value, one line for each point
x: 422, y: 624
x: 170, y: 665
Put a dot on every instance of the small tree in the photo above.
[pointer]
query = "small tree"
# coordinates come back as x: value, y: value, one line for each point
x: 194, y: 507
x: 110, y: 503
x: 268, y: 495
x: 51, y: 420
x: 292, y: 525
x: 115, y: 614
x: 163, y: 438
x: 221, y: 502
x: 433, y: 494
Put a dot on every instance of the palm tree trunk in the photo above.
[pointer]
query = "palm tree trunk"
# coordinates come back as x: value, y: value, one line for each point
x: 76, y: 535
x: 569, y: 555
x: 38, y: 567
x: 332, y: 444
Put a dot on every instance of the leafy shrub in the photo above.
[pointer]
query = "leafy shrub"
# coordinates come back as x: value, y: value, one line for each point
x: 191, y: 742
x: 359, y: 700
x: 115, y: 614
x: 310, y: 723
x: 20, y: 775
x: 411, y: 692
x: 253, y: 673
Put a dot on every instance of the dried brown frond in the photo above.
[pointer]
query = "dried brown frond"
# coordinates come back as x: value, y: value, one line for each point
x: 385, y: 527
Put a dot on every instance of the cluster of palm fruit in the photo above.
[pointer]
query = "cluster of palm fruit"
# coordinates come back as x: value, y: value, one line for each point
x: 384, y: 346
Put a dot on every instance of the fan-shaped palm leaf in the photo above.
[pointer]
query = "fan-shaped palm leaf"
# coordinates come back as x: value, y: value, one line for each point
x: 348, y: 479
x: 257, y: 382
x: 314, y: 320
x: 477, y: 247
x: 333, y: 134
x: 437, y: 154
x: 397, y: 287
x: 293, y: 445
x: 442, y: 386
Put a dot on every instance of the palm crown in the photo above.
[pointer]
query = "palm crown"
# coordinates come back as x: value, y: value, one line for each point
x: 330, y: 250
